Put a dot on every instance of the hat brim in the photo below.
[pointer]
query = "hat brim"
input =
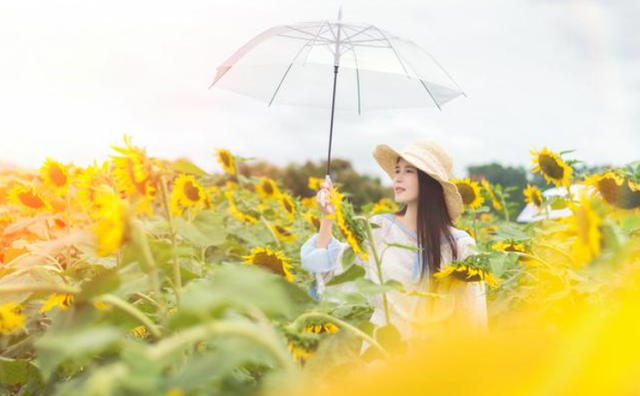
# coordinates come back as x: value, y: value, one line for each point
x: 386, y: 158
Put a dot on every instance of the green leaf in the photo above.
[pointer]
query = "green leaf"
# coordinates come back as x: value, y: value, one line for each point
x: 105, y: 282
x: 73, y: 343
x: 12, y: 372
x: 207, y: 229
x: 369, y: 287
x: 352, y: 273
x: 185, y: 166
x: 402, y: 246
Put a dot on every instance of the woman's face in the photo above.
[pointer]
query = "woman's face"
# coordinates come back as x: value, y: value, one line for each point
x: 405, y: 182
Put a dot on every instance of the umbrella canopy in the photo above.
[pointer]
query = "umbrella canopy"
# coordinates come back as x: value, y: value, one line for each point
x: 295, y: 65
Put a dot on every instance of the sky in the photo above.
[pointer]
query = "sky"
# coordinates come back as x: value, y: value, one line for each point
x: 76, y: 75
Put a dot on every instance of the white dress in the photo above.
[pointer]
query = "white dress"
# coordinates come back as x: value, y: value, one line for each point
x: 465, y: 305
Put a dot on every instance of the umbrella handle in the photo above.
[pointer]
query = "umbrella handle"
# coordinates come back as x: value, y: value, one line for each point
x: 323, y: 199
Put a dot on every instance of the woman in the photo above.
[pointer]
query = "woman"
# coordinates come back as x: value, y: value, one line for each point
x: 430, y: 205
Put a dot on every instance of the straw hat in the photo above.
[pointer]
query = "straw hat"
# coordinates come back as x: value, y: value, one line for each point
x: 430, y: 158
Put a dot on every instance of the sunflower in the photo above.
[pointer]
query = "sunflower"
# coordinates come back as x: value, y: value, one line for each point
x: 586, y: 224
x: 312, y: 219
x: 187, y: 193
x: 267, y: 188
x: 62, y: 300
x: 235, y: 212
x: 309, y: 203
x: 28, y: 199
x: 288, y: 205
x: 553, y: 168
x: 533, y: 196
x: 101, y: 305
x: 226, y: 159
x: 497, y: 205
x: 11, y: 318
x: 274, y: 261
x: 319, y: 328
x: 55, y: 176
x: 509, y: 246
x: 299, y: 353
x: 621, y: 192
x: 134, y: 175
x: 314, y: 183
x: 140, y: 332
x: 467, y: 273
x: 110, y: 227
x: 384, y: 205
x: 470, y: 192
x: 344, y: 218
x: 284, y: 234
x: 91, y: 180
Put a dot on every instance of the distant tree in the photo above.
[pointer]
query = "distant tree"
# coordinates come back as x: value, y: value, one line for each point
x: 359, y: 189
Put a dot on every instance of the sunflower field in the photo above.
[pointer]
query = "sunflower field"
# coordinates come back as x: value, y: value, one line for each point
x: 142, y: 276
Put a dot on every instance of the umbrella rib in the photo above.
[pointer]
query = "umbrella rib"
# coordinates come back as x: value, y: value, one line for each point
x: 363, y: 31
x: 285, y: 75
x: 313, y: 42
x: 355, y: 57
x: 325, y: 41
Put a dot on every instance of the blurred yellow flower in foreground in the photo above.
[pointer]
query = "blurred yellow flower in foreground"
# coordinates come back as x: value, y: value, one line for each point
x: 589, y: 350
x: 60, y: 300
x: 314, y: 183
x: 111, y: 224
x: 267, y: 188
x: 11, y: 318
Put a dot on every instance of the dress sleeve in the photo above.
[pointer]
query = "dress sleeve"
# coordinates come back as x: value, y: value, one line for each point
x: 324, y: 263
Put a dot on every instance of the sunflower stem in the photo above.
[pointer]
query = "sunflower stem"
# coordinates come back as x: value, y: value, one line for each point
x: 504, y: 206
x: 133, y: 312
x: 340, y: 323
x: 43, y: 288
x: 206, y: 330
x: 378, y: 260
x: 555, y: 249
x: 68, y: 225
x: 275, y: 237
x: 177, y: 278
x: 143, y: 242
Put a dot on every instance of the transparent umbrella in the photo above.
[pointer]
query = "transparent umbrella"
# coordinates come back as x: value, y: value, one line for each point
x: 299, y: 64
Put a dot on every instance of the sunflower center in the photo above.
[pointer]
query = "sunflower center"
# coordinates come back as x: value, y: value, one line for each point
x: 31, y: 200
x: 226, y: 160
x: 621, y: 196
x: 283, y: 230
x: 269, y: 261
x: 287, y: 205
x: 550, y: 167
x: 267, y: 187
x: 191, y: 191
x: 57, y: 176
x: 467, y: 193
x: 536, y: 198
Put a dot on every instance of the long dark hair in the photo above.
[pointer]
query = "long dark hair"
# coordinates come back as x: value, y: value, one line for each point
x: 433, y: 222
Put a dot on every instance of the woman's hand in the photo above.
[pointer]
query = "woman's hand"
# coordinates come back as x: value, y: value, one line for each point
x: 328, y: 208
